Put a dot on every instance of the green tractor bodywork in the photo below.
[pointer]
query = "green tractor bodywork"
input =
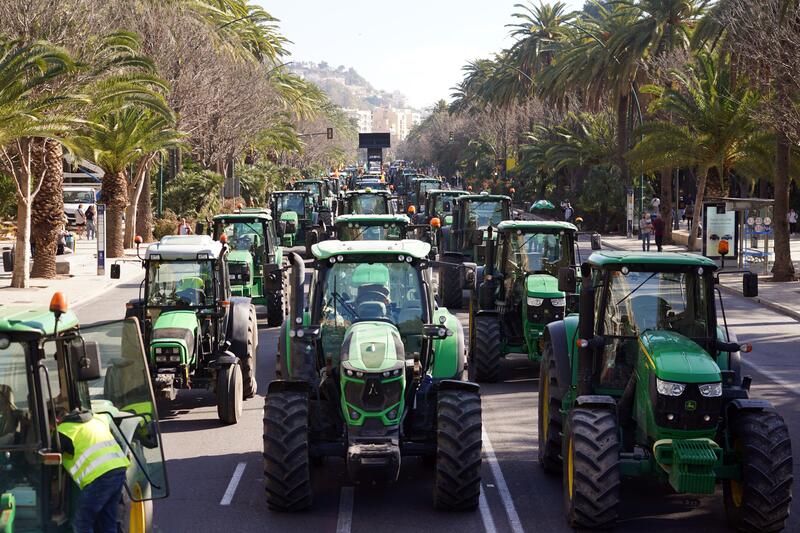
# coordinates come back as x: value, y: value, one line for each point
x: 197, y: 332
x: 463, y: 242
x: 371, y: 227
x: 369, y: 373
x: 643, y: 382
x: 518, y: 292
x: 52, y: 365
x: 296, y: 215
x: 255, y: 260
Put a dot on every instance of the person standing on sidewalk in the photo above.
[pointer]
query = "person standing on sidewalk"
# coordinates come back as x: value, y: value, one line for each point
x: 645, y: 229
x: 90, y: 234
x: 658, y: 230
x: 184, y: 228
x: 792, y: 222
x: 655, y: 204
x: 688, y: 213
x: 80, y: 220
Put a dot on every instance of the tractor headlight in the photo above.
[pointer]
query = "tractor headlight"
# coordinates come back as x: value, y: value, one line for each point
x: 174, y: 358
x: 558, y: 302
x: 535, y: 302
x: 711, y: 390
x: 161, y: 359
x: 668, y: 388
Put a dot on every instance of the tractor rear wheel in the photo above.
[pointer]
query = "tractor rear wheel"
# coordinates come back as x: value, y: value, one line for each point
x: 229, y: 393
x: 135, y: 516
x: 450, y: 287
x: 591, y: 468
x: 457, y: 484
x: 287, y: 465
x: 760, y: 501
x: 550, y: 423
x: 485, y: 360
x: 248, y: 361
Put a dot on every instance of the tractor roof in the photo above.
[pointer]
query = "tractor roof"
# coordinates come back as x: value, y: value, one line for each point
x: 383, y: 192
x: 310, y: 180
x: 483, y: 197
x: 609, y: 258
x: 293, y: 191
x: 372, y: 219
x: 527, y: 225
x: 260, y: 214
x: 182, y: 247
x: 414, y: 248
x: 426, y: 179
x: 446, y: 192
x: 29, y: 319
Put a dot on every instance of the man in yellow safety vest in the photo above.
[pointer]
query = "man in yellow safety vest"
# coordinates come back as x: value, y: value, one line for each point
x: 96, y: 463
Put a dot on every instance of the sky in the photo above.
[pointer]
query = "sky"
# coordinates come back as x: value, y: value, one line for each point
x: 415, y: 46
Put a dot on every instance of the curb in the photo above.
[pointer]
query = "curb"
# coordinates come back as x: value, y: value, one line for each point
x: 778, y: 308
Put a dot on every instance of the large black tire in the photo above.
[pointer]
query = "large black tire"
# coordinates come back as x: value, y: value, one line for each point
x: 248, y: 360
x: 230, y: 393
x: 485, y: 360
x: 550, y: 423
x: 450, y: 287
x: 287, y: 466
x: 761, y: 500
x: 591, y: 468
x: 457, y: 484
x: 276, y: 303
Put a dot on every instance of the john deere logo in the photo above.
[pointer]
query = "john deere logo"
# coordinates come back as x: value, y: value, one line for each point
x: 690, y: 405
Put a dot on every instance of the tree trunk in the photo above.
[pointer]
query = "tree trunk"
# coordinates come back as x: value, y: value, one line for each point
x: 114, y: 193
x: 47, y: 213
x: 20, y: 278
x: 144, y: 215
x: 131, y: 211
x: 783, y: 268
x: 666, y: 203
x: 702, y: 177
x: 622, y: 139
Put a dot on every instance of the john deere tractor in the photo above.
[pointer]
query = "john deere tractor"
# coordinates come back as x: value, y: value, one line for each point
x: 53, y: 370
x: 372, y: 372
x: 197, y: 333
x: 255, y: 259
x: 518, y: 292
x: 322, y: 196
x: 645, y: 382
x: 294, y: 214
x: 367, y: 202
x: 371, y: 227
x: 463, y: 243
x: 419, y: 189
x: 440, y: 203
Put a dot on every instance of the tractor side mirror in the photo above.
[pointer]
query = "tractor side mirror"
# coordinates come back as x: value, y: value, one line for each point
x: 280, y: 228
x: 86, y: 357
x: 435, y: 331
x: 750, y: 285
x: 596, y: 243
x: 567, y: 280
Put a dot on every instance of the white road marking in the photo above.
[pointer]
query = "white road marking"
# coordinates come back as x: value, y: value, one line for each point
x: 772, y: 377
x: 231, y: 490
x: 486, y: 514
x: 502, y: 488
x: 345, y: 521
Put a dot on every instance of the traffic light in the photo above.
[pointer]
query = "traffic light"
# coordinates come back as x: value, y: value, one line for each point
x: 451, y: 137
x: 329, y: 133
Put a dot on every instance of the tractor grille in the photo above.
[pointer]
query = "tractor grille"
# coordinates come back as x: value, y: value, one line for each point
x: 688, y: 410
x: 373, y: 394
x: 545, y: 313
x: 239, y: 273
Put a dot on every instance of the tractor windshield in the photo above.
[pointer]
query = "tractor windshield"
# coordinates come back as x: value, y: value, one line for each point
x: 444, y: 204
x: 372, y: 291
x: 483, y: 214
x: 425, y: 186
x: 314, y: 188
x: 246, y: 236
x: 17, y: 420
x: 368, y: 204
x: 539, y: 252
x: 291, y: 202
x: 359, y: 232
x: 180, y: 283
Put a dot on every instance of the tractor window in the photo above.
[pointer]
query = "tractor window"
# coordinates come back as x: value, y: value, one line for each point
x: 368, y: 204
x: 290, y: 202
x: 356, y: 232
x: 538, y: 252
x: 372, y: 291
x: 180, y: 283
x: 482, y: 214
x: 246, y: 236
x: 444, y: 205
x: 313, y: 188
x: 425, y: 186
x: 17, y: 403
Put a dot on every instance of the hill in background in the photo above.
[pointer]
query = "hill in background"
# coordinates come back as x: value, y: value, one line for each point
x: 346, y: 87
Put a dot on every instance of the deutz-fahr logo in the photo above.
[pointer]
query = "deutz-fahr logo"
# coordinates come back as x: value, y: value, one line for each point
x: 690, y: 405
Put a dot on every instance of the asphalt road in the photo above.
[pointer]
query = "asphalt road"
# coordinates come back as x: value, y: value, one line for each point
x: 216, y: 481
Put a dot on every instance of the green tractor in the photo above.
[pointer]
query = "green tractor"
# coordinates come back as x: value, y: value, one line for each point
x: 440, y: 203
x: 367, y: 202
x: 255, y: 259
x: 296, y: 215
x: 462, y: 244
x: 51, y: 367
x: 419, y: 190
x: 198, y: 334
x: 323, y: 198
x: 644, y: 382
x: 371, y: 227
x: 372, y: 372
x: 518, y: 292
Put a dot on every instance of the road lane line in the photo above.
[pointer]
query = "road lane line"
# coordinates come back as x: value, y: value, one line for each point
x: 345, y: 521
x: 502, y: 488
x: 772, y: 377
x: 486, y: 514
x: 235, y: 479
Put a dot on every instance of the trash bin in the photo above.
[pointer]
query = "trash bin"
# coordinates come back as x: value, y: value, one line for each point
x: 8, y: 260
x: 70, y: 241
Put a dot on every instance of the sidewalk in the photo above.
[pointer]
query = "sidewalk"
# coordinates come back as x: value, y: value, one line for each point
x: 783, y: 298
x: 80, y: 285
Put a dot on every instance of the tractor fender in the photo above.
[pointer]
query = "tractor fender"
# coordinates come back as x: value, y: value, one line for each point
x: 557, y: 333
x: 288, y: 385
x: 449, y: 359
x: 227, y: 358
x: 238, y: 317
x: 596, y: 400
x: 443, y: 239
x: 747, y: 404
x: 453, y: 384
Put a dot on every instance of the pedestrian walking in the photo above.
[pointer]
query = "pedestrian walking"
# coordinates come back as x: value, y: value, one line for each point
x: 183, y: 228
x: 689, y: 215
x: 90, y: 228
x: 645, y: 229
x: 792, y: 222
x: 80, y: 220
x: 568, y: 211
x: 658, y: 231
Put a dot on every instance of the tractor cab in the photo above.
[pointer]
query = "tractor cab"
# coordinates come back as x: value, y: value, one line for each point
x: 419, y: 190
x: 368, y: 202
x: 371, y: 227
x: 198, y: 333
x: 52, y: 369
x: 254, y: 258
x: 440, y: 203
x: 295, y: 212
x: 322, y: 197
x: 369, y: 368
x: 377, y: 184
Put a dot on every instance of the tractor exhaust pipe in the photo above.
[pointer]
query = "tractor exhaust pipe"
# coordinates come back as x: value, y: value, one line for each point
x: 585, y: 332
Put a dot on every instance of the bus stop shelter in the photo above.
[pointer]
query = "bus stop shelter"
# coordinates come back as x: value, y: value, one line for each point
x: 748, y: 221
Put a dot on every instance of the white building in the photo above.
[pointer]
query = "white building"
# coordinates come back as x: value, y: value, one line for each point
x: 363, y: 118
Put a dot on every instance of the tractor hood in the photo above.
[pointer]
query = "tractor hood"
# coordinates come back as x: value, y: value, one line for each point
x: 176, y: 320
x: 372, y: 347
x: 677, y: 358
x: 542, y: 286
x: 289, y: 216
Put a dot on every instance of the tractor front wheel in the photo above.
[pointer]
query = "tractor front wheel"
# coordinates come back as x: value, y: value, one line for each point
x: 249, y: 360
x: 450, y: 286
x: 550, y: 423
x: 287, y: 465
x: 760, y: 500
x: 486, y: 354
x: 135, y: 516
x: 229, y: 393
x: 457, y: 484
x: 591, y: 468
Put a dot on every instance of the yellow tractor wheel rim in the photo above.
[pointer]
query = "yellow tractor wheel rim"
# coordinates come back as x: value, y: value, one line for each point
x: 138, y: 517
x: 545, y: 409
x: 570, y: 468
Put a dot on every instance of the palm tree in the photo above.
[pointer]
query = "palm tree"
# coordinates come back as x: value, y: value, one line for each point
x: 540, y: 32
x: 712, y: 130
